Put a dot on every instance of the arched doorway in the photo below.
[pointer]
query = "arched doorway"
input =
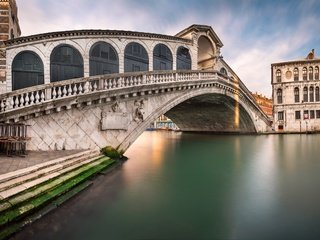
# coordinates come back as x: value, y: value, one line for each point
x: 27, y: 70
x: 183, y: 59
x: 135, y: 58
x: 162, y: 57
x: 206, y: 53
x: 103, y: 59
x: 65, y: 63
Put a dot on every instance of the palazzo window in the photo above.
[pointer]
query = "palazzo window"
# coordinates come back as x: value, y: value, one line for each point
x: 279, y: 96
x: 316, y: 73
x: 310, y: 73
x: 305, y: 94
x: 317, y: 94
x: 296, y: 95
x: 311, y: 94
x: 278, y: 75
x: 296, y: 74
x: 304, y: 73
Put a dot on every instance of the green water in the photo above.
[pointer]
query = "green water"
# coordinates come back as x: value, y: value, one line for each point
x: 195, y: 186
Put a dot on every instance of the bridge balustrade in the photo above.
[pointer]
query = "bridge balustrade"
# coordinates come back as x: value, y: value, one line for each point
x: 38, y: 94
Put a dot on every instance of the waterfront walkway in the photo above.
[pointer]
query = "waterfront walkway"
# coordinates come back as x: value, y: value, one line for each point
x: 10, y: 164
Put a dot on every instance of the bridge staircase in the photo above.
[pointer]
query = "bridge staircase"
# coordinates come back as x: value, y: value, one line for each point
x: 28, y: 193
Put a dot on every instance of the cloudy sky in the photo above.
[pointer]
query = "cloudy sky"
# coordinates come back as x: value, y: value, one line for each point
x: 255, y: 33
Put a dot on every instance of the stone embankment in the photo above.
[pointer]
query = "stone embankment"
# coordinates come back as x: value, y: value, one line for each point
x: 28, y: 193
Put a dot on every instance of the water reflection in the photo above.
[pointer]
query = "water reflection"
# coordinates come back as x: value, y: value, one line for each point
x: 198, y: 186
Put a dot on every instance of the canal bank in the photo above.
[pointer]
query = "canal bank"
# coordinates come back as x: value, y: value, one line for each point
x: 29, y: 193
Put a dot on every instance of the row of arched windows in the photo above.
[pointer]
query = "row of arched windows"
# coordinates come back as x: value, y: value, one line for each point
x: 311, y: 94
x: 307, y: 74
x: 66, y: 62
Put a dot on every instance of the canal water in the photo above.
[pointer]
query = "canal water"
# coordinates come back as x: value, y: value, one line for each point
x: 196, y: 186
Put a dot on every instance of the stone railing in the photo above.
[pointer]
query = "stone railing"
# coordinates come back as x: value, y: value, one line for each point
x: 58, y: 90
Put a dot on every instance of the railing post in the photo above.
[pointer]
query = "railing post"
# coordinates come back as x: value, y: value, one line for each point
x: 48, y: 93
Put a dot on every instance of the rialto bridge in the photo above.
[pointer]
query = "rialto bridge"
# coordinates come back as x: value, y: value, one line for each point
x: 91, y: 88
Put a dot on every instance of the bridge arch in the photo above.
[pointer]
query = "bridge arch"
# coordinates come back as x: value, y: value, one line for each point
x: 103, y: 59
x: 27, y: 70
x: 66, y: 62
x: 239, y: 105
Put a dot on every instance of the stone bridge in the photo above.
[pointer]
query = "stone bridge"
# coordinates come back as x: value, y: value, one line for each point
x: 89, y: 89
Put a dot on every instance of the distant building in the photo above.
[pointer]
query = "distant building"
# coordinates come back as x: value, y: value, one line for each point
x: 9, y: 28
x: 163, y: 123
x: 264, y: 103
x: 296, y: 97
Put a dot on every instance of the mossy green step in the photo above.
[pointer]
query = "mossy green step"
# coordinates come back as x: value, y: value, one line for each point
x: 26, y: 202
x: 12, y: 228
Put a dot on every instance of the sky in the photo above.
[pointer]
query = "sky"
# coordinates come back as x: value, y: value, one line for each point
x: 255, y: 33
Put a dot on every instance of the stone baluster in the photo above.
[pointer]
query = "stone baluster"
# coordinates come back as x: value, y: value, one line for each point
x: 16, y: 102
x: 80, y: 88
x: 21, y: 100
x: 105, y: 85
x: 42, y: 96
x: 86, y: 87
x: 75, y: 89
x: 27, y: 99
x: 2, y: 105
x: 54, y: 93
x: 37, y: 97
x: 64, y: 91
x: 59, y: 93
x: 69, y: 90
x: 32, y: 98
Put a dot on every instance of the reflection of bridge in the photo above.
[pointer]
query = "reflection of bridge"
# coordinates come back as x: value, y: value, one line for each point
x: 183, y: 77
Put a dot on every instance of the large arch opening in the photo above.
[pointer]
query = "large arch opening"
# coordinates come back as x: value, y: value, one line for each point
x: 211, y: 113
x: 66, y: 62
x: 162, y: 57
x: 27, y: 70
x: 206, y: 54
x: 135, y: 58
x: 103, y: 59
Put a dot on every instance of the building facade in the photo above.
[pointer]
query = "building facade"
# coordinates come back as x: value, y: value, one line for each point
x: 265, y: 103
x: 9, y: 29
x: 295, y: 93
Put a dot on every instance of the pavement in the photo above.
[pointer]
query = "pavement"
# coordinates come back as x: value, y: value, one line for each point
x: 10, y: 164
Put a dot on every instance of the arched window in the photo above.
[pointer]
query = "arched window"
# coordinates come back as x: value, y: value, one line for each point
x: 162, y: 57
x: 65, y: 63
x: 278, y: 75
x: 183, y: 59
x: 316, y: 73
x: 296, y: 95
x: 103, y: 59
x: 27, y: 70
x: 296, y: 74
x: 279, y: 95
x: 304, y: 73
x: 317, y: 94
x: 305, y: 94
x: 311, y: 94
x: 223, y: 71
x: 310, y: 73
x: 135, y: 58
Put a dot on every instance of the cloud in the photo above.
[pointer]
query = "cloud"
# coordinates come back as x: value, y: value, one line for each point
x: 255, y: 33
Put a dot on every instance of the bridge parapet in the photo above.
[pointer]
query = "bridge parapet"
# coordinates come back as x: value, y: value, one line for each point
x: 53, y: 91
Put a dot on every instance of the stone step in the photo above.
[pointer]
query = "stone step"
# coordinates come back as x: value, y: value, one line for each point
x: 53, y: 166
x: 21, y: 172
x: 34, y: 181
x: 27, y: 202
